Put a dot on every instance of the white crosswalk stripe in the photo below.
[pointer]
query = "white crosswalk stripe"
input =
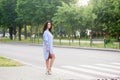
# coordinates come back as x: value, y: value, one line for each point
x: 101, y: 68
x: 87, y: 77
x: 97, y: 71
x: 91, y: 71
x: 109, y: 66
x: 116, y: 64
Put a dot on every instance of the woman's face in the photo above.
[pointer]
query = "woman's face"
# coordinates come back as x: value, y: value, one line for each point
x: 49, y: 25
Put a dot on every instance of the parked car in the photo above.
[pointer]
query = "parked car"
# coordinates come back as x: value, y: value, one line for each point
x: 7, y: 35
x: 1, y: 35
x: 33, y: 35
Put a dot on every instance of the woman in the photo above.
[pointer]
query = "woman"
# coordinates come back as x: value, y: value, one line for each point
x: 48, y: 46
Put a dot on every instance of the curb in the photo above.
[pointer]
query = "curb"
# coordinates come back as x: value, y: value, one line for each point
x: 85, y: 48
x: 73, y: 47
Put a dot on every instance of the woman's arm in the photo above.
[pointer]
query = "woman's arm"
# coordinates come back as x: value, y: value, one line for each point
x: 45, y: 38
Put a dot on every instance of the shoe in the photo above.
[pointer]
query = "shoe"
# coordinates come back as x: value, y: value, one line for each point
x: 48, y: 73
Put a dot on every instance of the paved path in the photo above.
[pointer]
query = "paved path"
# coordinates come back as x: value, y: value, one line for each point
x: 82, y: 41
x: 70, y: 64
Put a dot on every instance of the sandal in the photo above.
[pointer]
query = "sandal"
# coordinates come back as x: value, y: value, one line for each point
x: 48, y: 73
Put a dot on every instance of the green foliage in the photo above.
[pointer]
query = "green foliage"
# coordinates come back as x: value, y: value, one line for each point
x: 108, y: 17
x: 74, y: 18
x: 98, y: 15
x: 108, y: 40
x: 8, y: 12
x: 36, y: 11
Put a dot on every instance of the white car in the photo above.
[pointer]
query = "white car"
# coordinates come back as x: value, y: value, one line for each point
x: 33, y: 36
x: 7, y: 35
x: 1, y: 35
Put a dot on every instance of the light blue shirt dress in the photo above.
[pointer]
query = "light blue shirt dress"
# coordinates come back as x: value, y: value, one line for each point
x: 47, y: 39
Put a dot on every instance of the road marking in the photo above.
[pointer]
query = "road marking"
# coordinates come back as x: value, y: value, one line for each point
x: 100, y: 68
x: 64, y: 71
x: 86, y: 76
x: 57, y: 70
x: 116, y: 64
x: 75, y: 73
x: 90, y: 71
x: 109, y: 66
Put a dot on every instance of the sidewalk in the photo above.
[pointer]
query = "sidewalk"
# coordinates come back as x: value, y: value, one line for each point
x: 32, y: 73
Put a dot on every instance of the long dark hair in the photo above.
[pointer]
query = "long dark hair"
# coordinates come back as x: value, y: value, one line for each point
x: 46, y: 25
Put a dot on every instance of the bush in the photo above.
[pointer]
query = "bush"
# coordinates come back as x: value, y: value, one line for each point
x: 108, y: 40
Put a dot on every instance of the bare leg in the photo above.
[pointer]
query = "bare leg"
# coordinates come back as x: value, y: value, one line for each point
x: 51, y: 61
x: 47, y: 64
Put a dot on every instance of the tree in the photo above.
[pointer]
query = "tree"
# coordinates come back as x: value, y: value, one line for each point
x: 8, y: 15
x: 70, y: 16
x: 107, y: 12
x: 35, y: 12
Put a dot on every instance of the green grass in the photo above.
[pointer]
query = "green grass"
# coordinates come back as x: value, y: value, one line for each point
x: 5, y: 62
x: 23, y: 40
x: 94, y: 45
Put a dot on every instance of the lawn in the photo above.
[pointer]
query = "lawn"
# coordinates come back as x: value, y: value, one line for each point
x: 76, y: 44
x: 5, y: 62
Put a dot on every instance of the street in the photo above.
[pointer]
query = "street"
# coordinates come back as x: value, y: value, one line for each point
x: 87, y: 63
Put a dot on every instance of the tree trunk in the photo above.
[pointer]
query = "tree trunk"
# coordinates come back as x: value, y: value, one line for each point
x: 72, y: 35
x: 25, y: 27
x: 79, y: 37
x: 31, y: 34
x: 38, y: 34
x: 14, y: 32
x: 119, y: 41
x: 4, y: 31
x: 69, y: 38
x: 36, y: 30
x: 11, y: 32
x: 60, y: 39
x: 19, y: 32
x: 91, y: 41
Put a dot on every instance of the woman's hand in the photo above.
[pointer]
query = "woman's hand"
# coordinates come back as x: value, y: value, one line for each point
x: 47, y: 48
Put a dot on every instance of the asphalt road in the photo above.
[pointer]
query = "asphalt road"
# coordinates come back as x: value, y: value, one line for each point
x: 100, y: 64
